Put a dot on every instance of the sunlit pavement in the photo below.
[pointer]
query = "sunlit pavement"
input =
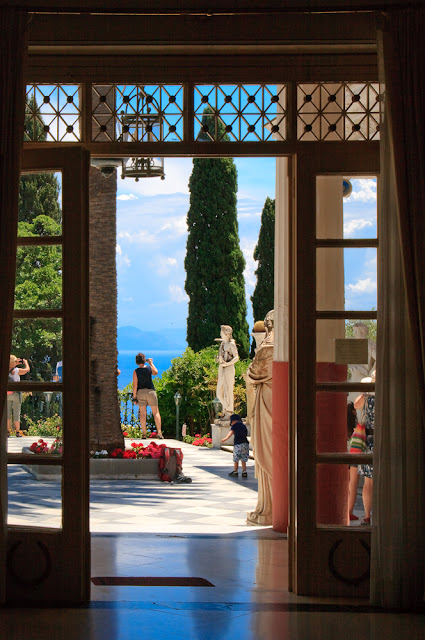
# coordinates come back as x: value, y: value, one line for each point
x: 211, y: 503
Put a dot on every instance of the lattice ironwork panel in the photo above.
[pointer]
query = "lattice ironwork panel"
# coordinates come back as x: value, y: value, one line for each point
x: 338, y: 111
x: 137, y: 113
x: 52, y: 113
x: 239, y: 113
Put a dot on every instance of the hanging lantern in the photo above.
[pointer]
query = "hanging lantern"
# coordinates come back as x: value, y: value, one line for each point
x: 142, y: 168
x: 145, y: 125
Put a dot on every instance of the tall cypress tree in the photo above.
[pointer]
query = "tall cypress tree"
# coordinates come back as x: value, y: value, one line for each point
x: 263, y: 297
x: 214, y: 262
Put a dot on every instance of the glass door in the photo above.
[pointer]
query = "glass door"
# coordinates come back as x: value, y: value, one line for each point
x: 335, y: 294
x: 48, y: 555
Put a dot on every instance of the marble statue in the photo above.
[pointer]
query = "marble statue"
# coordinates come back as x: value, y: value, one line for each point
x: 258, y: 333
x: 260, y: 374
x: 227, y: 357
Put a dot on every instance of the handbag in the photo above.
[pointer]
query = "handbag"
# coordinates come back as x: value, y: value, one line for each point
x: 358, y: 439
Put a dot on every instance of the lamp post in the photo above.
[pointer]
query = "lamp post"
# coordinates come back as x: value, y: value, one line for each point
x: 48, y: 395
x: 177, y: 400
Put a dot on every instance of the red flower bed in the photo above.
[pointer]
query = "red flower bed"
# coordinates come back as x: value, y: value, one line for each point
x: 139, y: 450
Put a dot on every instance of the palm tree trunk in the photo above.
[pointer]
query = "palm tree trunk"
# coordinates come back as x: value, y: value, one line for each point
x: 105, y: 423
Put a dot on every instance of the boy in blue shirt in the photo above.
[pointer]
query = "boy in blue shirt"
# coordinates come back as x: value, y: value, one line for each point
x: 240, y: 446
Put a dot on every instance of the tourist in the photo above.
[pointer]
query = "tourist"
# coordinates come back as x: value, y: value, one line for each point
x: 144, y: 393
x: 240, y: 444
x: 366, y: 401
x: 14, y: 398
x: 355, y: 445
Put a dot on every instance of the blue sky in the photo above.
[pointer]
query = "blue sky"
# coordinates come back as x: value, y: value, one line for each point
x: 152, y: 233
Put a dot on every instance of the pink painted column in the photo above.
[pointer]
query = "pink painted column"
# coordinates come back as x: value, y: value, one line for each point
x: 280, y: 477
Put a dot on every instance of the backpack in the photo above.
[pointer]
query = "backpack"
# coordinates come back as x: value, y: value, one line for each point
x: 170, y: 466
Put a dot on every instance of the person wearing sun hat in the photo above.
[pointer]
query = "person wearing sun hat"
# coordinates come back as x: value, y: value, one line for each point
x: 14, y: 398
x: 240, y: 445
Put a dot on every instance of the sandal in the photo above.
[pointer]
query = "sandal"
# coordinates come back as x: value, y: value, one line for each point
x: 365, y: 522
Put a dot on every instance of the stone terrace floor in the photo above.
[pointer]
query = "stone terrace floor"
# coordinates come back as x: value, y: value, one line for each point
x: 212, y: 504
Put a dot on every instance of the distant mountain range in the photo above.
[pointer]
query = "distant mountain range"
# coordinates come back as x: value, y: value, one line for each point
x: 162, y: 340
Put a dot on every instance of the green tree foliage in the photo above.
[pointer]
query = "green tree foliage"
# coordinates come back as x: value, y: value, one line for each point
x: 214, y: 262
x: 38, y: 195
x: 38, y: 286
x: 194, y: 376
x: 263, y: 297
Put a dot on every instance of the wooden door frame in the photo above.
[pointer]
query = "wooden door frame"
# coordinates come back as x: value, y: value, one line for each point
x: 311, y: 546
x: 62, y: 574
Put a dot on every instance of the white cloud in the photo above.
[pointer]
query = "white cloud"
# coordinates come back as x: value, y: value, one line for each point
x: 177, y: 294
x: 351, y: 226
x: 364, y: 190
x: 177, y: 226
x: 127, y: 196
x: 253, y: 214
x: 123, y: 261
x: 164, y: 265
x: 140, y: 237
x: 127, y: 299
x: 247, y: 247
x: 368, y: 285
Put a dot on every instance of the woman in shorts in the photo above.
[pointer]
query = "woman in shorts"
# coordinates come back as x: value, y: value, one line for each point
x: 144, y: 393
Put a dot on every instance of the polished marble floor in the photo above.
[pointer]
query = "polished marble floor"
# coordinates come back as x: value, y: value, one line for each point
x: 198, y: 532
x: 249, y: 599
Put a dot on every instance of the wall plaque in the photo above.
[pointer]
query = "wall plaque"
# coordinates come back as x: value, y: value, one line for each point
x: 351, y: 351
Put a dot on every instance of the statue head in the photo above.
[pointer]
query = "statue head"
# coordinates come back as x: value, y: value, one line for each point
x: 226, y: 331
x: 269, y: 321
x: 361, y: 330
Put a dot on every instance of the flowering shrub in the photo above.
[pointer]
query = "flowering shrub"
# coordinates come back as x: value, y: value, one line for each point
x: 135, y: 431
x: 138, y: 450
x: 43, y: 447
x: 199, y: 441
x: 44, y: 426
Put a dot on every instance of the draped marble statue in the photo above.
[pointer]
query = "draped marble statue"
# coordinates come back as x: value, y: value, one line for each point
x: 227, y: 357
x: 260, y: 374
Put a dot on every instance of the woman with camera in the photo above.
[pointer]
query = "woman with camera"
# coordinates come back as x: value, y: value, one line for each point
x: 14, y: 398
x: 144, y: 393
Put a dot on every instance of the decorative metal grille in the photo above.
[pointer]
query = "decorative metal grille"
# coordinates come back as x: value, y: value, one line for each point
x: 240, y: 112
x: 137, y: 113
x: 52, y: 113
x: 338, y: 111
